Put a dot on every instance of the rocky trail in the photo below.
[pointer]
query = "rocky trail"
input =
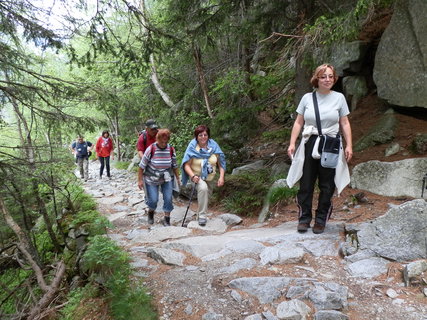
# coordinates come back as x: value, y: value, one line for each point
x: 234, y: 269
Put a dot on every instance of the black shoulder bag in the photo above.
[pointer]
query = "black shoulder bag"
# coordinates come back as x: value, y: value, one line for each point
x: 329, y: 147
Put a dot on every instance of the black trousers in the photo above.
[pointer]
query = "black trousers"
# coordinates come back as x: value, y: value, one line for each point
x: 313, y: 171
x: 105, y: 160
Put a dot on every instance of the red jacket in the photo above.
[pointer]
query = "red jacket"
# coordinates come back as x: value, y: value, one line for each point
x: 104, y: 149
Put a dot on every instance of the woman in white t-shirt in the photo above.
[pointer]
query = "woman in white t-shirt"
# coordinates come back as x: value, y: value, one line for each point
x: 333, y: 110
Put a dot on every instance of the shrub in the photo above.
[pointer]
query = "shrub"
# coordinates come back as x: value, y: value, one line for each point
x: 109, y: 265
x: 282, y: 194
x: 121, y: 165
x: 243, y: 194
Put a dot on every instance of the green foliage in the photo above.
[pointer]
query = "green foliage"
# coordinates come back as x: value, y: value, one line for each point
x: 92, y: 222
x: 45, y: 246
x: 262, y: 85
x: 103, y: 257
x: 277, y: 135
x: 84, y: 202
x: 121, y: 165
x: 74, y: 297
x: 105, y: 260
x: 333, y: 28
x: 11, y: 279
x: 244, y: 193
x: 282, y: 194
x: 182, y: 128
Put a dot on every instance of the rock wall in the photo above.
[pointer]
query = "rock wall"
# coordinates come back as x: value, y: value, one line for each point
x: 400, y: 70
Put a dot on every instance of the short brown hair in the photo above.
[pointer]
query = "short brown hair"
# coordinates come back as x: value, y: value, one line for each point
x: 321, y: 70
x: 163, y: 133
x: 200, y: 129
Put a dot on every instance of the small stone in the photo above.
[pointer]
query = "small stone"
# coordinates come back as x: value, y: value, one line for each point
x: 392, y: 293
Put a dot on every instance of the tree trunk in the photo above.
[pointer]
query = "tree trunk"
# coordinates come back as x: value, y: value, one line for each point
x: 306, y: 10
x: 23, y: 245
x: 50, y: 294
x: 117, y: 137
x: 29, y: 151
x: 199, y: 69
x: 154, y: 75
x: 157, y: 84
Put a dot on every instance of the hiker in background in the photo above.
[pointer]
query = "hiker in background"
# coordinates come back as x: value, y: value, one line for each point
x: 104, y: 150
x: 306, y: 164
x: 82, y: 150
x: 147, y: 137
x: 158, y: 169
x: 201, y: 160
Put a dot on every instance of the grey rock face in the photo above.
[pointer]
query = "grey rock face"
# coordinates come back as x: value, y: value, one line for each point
x: 293, y: 310
x: 329, y: 296
x: 266, y: 289
x: 400, y: 63
x: 344, y: 56
x: 382, y: 132
x: 413, y: 270
x: 330, y: 315
x: 354, y: 89
x: 368, y: 268
x: 166, y: 256
x: 393, y: 179
x: 249, y: 167
x: 398, y: 235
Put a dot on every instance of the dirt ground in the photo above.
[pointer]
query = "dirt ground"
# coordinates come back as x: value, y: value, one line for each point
x: 352, y: 206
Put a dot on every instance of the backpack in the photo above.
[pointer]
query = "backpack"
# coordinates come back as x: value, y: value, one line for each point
x: 155, y: 173
x: 154, y: 146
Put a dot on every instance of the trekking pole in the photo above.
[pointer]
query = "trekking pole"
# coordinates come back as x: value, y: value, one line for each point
x: 189, y: 203
x: 424, y: 186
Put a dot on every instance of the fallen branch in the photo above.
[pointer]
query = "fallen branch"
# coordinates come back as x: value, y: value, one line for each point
x: 50, y: 294
x: 274, y: 34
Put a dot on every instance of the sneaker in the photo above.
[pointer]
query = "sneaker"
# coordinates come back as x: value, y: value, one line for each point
x: 303, y: 227
x: 318, y: 228
x: 166, y: 221
x: 202, y: 221
x: 150, y: 217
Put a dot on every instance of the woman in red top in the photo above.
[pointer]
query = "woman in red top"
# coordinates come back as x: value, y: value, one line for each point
x: 104, y: 148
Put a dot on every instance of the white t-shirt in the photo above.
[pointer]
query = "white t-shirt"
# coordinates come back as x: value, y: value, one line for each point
x: 332, y: 107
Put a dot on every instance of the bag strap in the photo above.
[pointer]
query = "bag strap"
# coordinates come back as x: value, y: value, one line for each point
x: 153, y: 149
x: 316, y: 111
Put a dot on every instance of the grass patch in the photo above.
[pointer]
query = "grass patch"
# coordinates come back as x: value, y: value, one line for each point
x: 122, y: 165
x: 244, y: 194
x: 277, y: 135
x: 109, y: 293
x: 284, y: 195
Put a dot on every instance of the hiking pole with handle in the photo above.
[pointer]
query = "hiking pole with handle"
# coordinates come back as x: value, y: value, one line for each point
x: 189, y: 203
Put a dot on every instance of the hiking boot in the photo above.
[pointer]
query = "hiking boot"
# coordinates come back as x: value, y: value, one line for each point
x: 166, y: 221
x: 202, y: 221
x: 318, y: 228
x: 303, y: 227
x: 150, y: 217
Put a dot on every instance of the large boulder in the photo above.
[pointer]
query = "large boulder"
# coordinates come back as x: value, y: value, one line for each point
x: 382, y: 132
x: 392, y: 179
x: 348, y: 56
x: 398, y: 235
x: 400, y: 70
x: 344, y: 56
x: 354, y: 88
